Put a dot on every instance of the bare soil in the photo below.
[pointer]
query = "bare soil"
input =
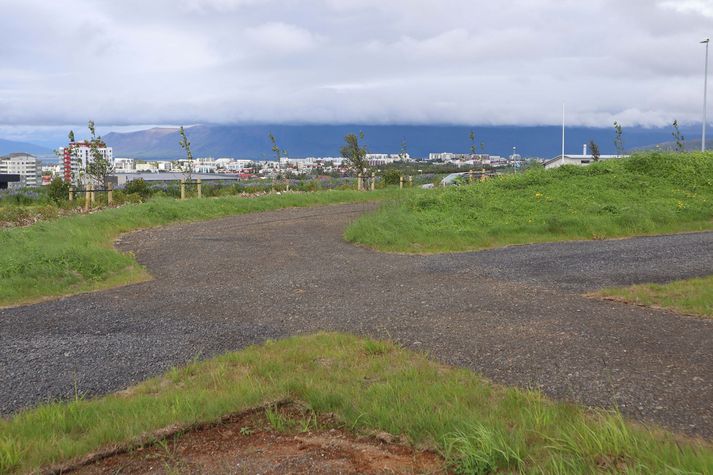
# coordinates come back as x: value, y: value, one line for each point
x: 295, y: 442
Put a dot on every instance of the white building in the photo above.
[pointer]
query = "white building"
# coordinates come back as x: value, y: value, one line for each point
x: 27, y: 166
x: 124, y: 165
x: 578, y: 160
x: 164, y: 166
x: 447, y: 156
x: 376, y: 159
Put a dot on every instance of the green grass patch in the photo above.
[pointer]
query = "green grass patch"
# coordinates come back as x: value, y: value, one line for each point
x: 75, y: 254
x: 648, y: 193
x: 478, y: 426
x: 690, y: 296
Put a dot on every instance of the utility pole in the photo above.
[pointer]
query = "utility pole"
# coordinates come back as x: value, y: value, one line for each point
x: 563, y: 132
x: 705, y: 98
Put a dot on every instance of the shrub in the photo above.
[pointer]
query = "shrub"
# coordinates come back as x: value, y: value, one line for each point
x: 391, y: 177
x: 58, y: 190
x: 139, y: 187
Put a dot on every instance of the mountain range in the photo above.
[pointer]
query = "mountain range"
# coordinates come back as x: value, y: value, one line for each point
x: 252, y: 142
x: 11, y: 146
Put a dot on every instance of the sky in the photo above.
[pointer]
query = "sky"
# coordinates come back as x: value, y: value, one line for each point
x: 134, y: 63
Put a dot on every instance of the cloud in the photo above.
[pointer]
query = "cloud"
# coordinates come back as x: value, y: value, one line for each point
x: 281, y: 37
x: 700, y: 7
x: 405, y: 61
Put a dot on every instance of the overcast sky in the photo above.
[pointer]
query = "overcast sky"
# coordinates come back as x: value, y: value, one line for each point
x: 133, y: 62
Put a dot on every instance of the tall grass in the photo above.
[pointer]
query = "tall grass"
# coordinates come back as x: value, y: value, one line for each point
x: 645, y: 194
x: 478, y: 426
x: 75, y: 253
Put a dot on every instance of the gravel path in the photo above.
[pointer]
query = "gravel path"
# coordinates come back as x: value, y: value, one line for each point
x: 513, y: 314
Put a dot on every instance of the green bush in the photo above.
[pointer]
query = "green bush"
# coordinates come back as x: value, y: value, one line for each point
x: 139, y: 187
x: 391, y: 177
x: 58, y: 190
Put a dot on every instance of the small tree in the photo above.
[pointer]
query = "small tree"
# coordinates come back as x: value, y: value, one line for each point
x: 98, y: 168
x: 58, y: 190
x: 678, y: 137
x: 403, y: 153
x: 71, y: 136
x: 618, y: 141
x: 186, y: 145
x: 473, y: 148
x: 595, y: 150
x: 354, y: 153
x: 278, y: 155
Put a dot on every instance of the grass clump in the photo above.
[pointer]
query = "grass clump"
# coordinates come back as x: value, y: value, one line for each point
x: 648, y: 193
x: 689, y: 296
x: 478, y: 426
x: 75, y: 254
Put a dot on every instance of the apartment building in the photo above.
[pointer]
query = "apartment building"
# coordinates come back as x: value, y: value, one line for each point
x: 27, y: 166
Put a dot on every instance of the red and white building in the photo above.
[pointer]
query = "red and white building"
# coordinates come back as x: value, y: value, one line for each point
x: 77, y: 155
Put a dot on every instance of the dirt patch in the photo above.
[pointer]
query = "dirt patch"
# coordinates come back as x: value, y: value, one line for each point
x: 280, y: 440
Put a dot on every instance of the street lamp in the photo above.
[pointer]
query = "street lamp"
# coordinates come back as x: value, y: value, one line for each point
x: 705, y: 98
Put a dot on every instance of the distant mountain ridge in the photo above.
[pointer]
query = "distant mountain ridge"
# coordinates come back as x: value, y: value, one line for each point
x: 251, y: 141
x: 10, y: 146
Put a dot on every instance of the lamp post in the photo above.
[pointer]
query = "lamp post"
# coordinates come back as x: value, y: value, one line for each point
x: 705, y: 98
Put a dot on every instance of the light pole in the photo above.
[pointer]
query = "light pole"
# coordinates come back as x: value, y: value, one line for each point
x: 705, y: 98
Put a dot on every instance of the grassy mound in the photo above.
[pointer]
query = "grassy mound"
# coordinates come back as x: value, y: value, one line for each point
x: 646, y: 194
x: 370, y: 385
x: 75, y: 254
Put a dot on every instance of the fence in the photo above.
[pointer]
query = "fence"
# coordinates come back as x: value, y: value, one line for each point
x: 89, y: 194
x: 197, y: 182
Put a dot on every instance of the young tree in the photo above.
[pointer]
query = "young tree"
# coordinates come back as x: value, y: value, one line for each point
x: 278, y: 155
x: 98, y: 168
x: 618, y: 141
x: 471, y: 136
x: 354, y: 153
x: 678, y: 137
x: 595, y: 150
x: 71, y: 136
x: 403, y: 153
x: 186, y: 145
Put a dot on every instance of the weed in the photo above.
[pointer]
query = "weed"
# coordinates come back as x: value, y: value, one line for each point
x: 372, y: 347
x: 480, y: 450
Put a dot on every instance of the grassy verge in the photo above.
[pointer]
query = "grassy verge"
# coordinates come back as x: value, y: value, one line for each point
x: 646, y: 194
x: 369, y: 385
x: 690, y: 296
x: 75, y: 254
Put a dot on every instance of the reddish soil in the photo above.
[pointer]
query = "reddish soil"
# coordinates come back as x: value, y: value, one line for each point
x: 250, y: 444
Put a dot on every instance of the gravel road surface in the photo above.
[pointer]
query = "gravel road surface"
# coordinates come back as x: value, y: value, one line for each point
x: 515, y: 314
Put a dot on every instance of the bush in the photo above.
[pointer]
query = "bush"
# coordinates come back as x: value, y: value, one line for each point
x: 391, y: 177
x: 58, y: 190
x: 138, y: 187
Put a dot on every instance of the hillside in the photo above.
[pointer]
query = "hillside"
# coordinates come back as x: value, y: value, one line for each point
x: 251, y: 141
x: 649, y: 193
x: 10, y: 146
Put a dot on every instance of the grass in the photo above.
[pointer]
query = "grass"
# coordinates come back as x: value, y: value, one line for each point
x: 75, y: 254
x: 690, y: 296
x: 649, y: 193
x: 478, y: 426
